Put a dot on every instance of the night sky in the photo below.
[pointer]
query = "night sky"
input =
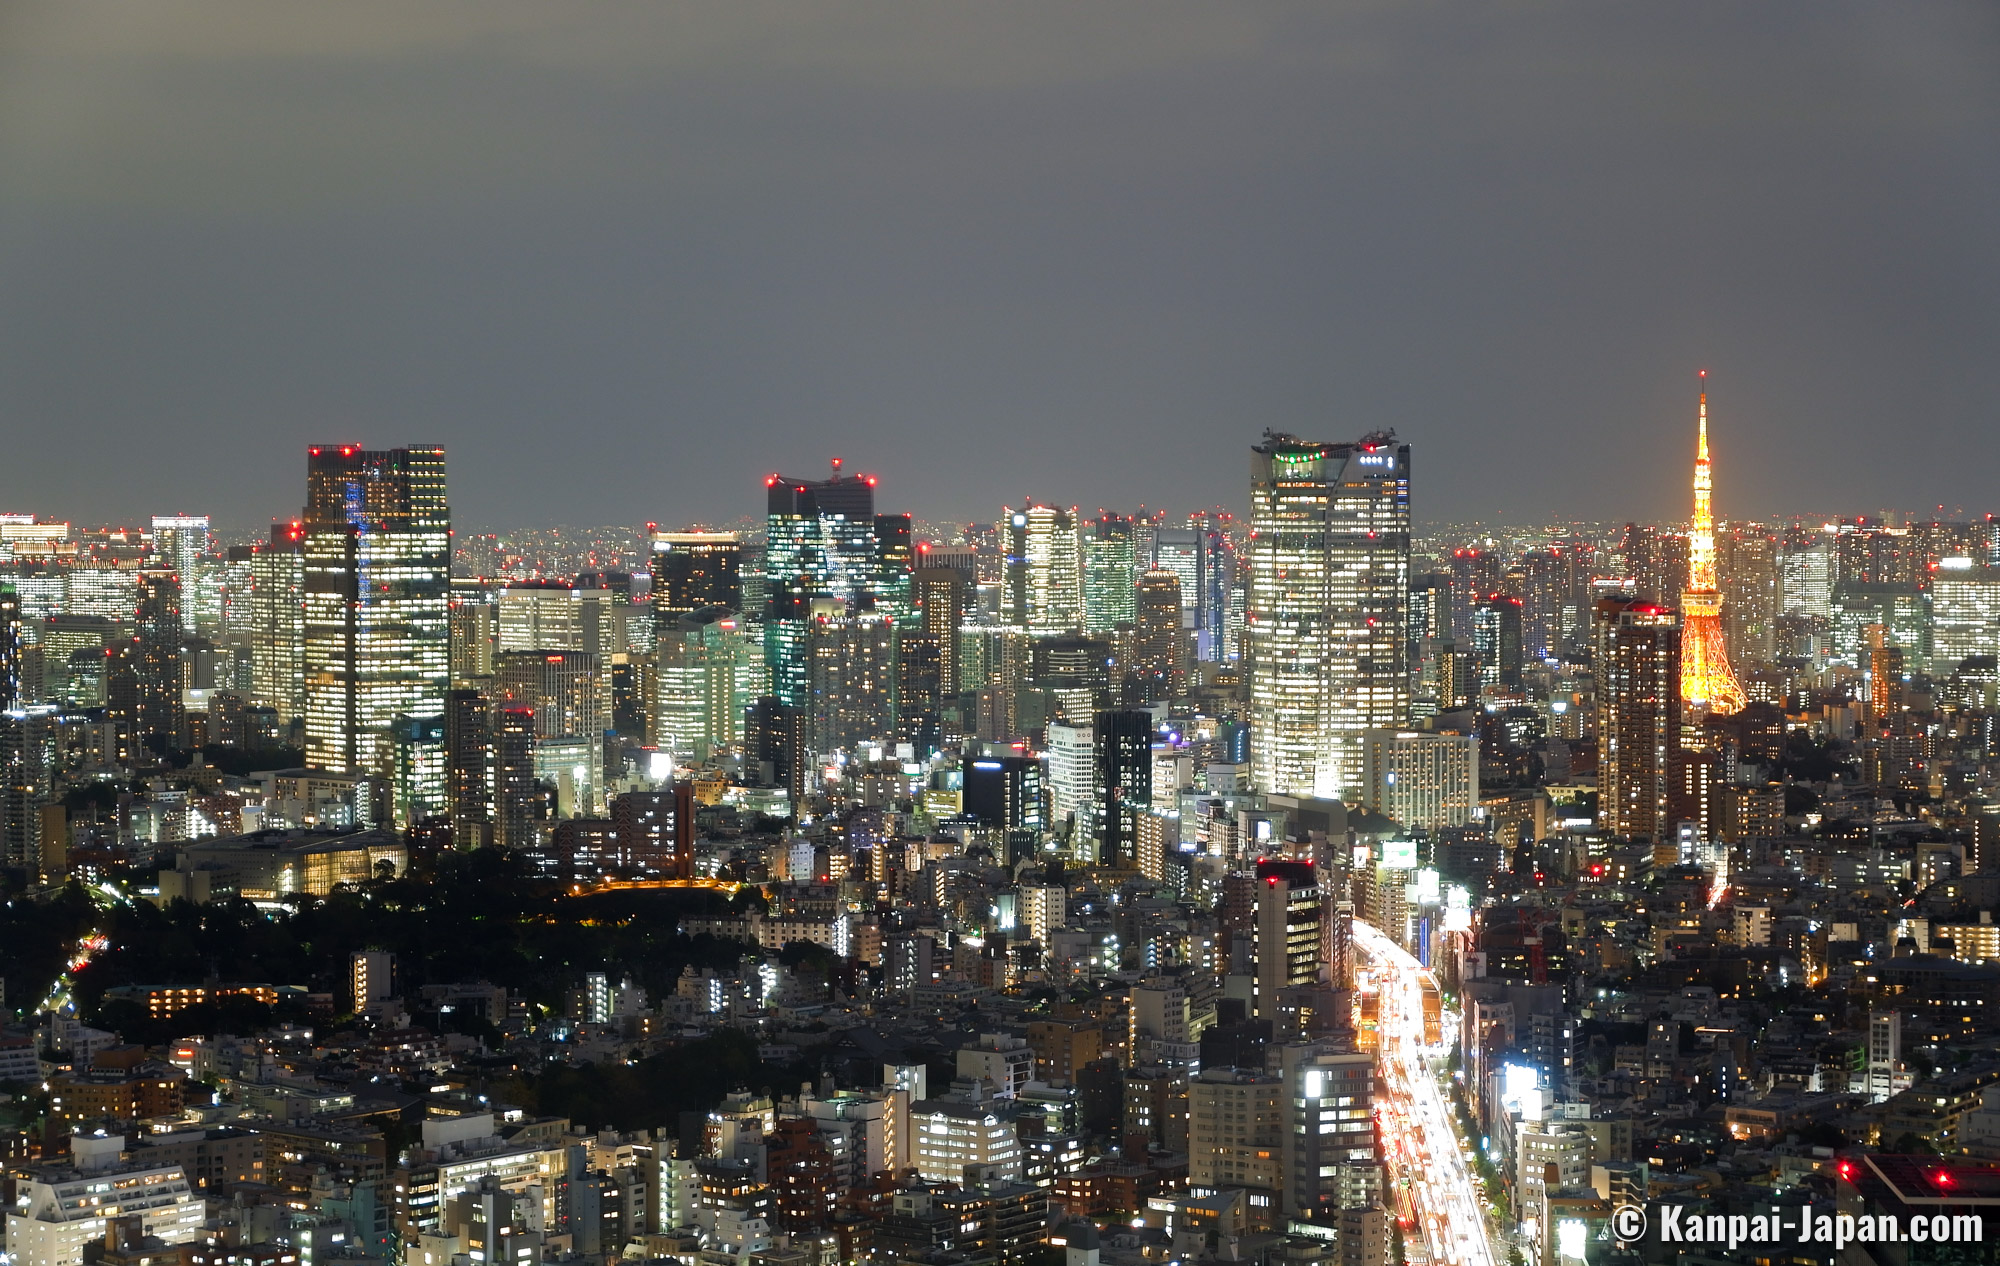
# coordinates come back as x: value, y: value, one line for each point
x: 625, y: 260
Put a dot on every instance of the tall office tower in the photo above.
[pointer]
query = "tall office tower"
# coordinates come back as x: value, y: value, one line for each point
x: 519, y: 805
x: 709, y: 667
x: 1044, y: 577
x: 1543, y: 584
x: 417, y: 769
x: 821, y: 554
x: 1663, y: 565
x: 852, y: 680
x: 277, y: 622
x: 236, y: 626
x: 1124, y: 742
x: 468, y: 767
x: 692, y: 570
x: 920, y: 696
x: 1885, y: 672
x: 72, y: 650
x: 1329, y: 608
x: 1707, y: 683
x: 1638, y: 665
x: 1218, y: 581
x: 30, y: 757
x: 1805, y: 574
x: 12, y: 693
x: 1178, y: 550
x: 181, y: 542
x: 1867, y: 552
x: 1003, y: 791
x: 565, y: 691
x: 634, y: 697
x: 1965, y: 612
x: 475, y: 639
x: 1496, y: 641
x: 1330, y: 1160
x: 1423, y: 780
x: 1474, y: 573
x: 938, y: 598
x: 774, y: 740
x: 1072, y: 756
x: 377, y: 590
x: 895, y: 558
x: 997, y: 663
x: 927, y: 662
x: 1747, y: 560
x: 553, y: 615
x: 1430, y: 608
x: 1291, y: 930
x: 1077, y: 671
x: 1156, y: 672
x: 158, y: 719
x: 1110, y: 572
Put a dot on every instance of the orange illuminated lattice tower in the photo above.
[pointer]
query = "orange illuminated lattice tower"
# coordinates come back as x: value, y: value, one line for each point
x: 1707, y: 683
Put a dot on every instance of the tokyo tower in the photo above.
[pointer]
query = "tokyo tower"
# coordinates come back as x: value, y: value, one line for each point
x: 1707, y: 684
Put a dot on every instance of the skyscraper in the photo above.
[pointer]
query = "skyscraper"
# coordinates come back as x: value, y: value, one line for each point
x: 182, y: 542
x: 468, y: 767
x: 1072, y: 753
x: 377, y: 580
x: 1124, y: 788
x: 1218, y: 583
x: 1474, y: 574
x: 1328, y: 608
x: 1044, y: 576
x: 1707, y: 683
x: 11, y: 692
x: 1423, y: 780
x: 851, y: 679
x: 564, y: 690
x: 1110, y: 572
x: 692, y: 570
x: 30, y: 751
x: 277, y: 621
x: 1156, y: 672
x: 709, y: 671
x: 1496, y: 641
x: 157, y: 719
x: 821, y: 551
x: 895, y: 557
x: 519, y: 806
x: 1638, y: 665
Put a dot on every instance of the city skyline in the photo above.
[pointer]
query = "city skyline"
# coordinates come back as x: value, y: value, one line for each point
x: 1051, y: 634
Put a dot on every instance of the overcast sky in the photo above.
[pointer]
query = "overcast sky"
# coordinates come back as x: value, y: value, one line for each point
x: 624, y: 260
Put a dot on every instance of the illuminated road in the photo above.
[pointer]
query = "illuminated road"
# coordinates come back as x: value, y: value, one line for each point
x: 59, y: 998
x: 1442, y: 1198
